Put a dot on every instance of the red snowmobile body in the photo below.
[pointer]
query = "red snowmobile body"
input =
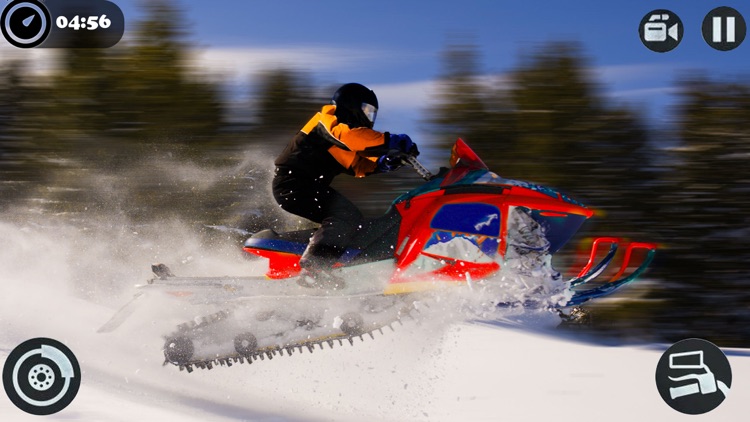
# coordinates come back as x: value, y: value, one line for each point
x: 456, y: 228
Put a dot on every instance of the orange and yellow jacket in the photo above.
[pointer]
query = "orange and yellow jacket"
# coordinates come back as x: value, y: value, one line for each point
x: 324, y: 148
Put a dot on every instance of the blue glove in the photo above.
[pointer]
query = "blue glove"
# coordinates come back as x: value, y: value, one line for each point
x: 404, y: 144
x: 389, y: 162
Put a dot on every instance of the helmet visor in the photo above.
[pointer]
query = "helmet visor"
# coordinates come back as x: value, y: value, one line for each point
x: 370, y: 111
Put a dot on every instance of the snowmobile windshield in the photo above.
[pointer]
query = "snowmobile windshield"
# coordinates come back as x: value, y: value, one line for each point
x: 370, y: 111
x: 490, y: 178
x: 464, y: 157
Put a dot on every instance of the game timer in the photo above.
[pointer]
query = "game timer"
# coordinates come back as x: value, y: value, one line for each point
x: 62, y: 23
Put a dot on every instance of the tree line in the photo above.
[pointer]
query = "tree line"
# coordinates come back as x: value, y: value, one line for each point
x: 546, y: 121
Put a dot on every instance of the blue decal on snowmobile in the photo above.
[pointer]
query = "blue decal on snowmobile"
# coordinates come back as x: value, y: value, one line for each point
x: 472, y: 218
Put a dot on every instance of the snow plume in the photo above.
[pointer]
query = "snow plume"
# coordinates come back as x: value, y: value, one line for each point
x: 70, y: 257
x: 45, y: 261
x: 93, y: 232
x: 230, y: 188
x: 526, y: 288
x: 62, y: 277
x: 528, y: 271
x: 66, y: 268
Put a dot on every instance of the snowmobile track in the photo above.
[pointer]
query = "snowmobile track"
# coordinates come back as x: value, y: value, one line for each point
x: 272, y: 351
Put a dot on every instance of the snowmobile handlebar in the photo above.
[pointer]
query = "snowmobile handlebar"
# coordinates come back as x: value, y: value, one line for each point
x: 417, y: 166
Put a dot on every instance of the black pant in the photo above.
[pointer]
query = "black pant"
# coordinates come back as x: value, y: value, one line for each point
x: 338, y: 217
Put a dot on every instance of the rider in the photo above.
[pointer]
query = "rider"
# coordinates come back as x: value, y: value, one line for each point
x: 338, y: 139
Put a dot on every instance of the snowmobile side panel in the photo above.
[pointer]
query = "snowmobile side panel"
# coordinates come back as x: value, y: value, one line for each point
x: 280, y: 264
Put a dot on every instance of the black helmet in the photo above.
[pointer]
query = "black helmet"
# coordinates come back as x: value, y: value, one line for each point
x: 356, y: 105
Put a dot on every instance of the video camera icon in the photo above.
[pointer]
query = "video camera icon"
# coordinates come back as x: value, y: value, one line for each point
x: 656, y: 30
x: 661, y: 30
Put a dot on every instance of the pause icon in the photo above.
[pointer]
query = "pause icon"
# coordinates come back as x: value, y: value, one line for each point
x: 731, y: 28
x: 724, y: 28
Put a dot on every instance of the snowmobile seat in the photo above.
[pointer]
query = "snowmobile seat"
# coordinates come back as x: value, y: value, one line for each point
x: 291, y: 242
x: 375, y: 240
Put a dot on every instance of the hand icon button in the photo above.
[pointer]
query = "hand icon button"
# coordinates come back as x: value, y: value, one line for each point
x: 693, y: 376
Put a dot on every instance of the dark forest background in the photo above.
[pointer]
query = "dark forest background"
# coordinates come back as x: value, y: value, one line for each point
x: 136, y: 130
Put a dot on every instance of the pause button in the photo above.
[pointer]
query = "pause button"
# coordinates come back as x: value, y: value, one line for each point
x: 724, y: 28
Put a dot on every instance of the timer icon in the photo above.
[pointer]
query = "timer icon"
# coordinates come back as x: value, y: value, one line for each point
x: 25, y: 23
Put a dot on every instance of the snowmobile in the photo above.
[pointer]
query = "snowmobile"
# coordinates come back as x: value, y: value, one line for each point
x: 457, y: 231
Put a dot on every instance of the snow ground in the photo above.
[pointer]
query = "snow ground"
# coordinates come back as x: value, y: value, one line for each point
x: 466, y: 371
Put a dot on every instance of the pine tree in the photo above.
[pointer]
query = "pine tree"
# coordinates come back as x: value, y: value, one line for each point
x: 285, y: 101
x: 19, y: 165
x: 703, y: 210
x: 547, y: 122
x: 168, y: 102
x: 473, y: 107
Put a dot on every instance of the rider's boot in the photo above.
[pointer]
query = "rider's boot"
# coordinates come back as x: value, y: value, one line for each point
x: 317, y: 268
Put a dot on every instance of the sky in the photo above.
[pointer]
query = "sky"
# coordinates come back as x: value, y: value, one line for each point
x: 395, y: 46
